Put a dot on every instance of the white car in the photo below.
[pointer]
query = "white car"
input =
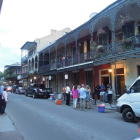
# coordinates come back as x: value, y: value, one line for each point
x: 129, y: 103
x: 20, y: 90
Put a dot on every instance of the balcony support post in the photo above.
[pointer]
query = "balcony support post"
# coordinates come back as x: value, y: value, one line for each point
x: 112, y: 20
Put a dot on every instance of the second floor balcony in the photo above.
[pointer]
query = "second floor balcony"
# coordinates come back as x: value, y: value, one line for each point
x: 126, y: 48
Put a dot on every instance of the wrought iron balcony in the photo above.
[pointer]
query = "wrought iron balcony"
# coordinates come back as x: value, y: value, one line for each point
x: 121, y: 48
x: 24, y: 58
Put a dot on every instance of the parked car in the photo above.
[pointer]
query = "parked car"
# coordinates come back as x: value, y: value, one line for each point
x: 9, y: 89
x: 129, y: 103
x: 38, y: 90
x: 20, y: 90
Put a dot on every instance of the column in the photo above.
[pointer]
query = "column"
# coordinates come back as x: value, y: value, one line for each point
x: 56, y: 59
x: 43, y: 58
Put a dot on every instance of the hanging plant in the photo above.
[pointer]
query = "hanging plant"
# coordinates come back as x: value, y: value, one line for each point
x: 100, y: 48
x: 100, y: 32
x: 125, y: 19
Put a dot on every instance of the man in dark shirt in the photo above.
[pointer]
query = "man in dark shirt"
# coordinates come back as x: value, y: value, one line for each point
x: 97, y: 92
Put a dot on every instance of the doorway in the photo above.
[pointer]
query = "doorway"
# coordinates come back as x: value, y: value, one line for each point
x: 76, y: 78
x: 105, y: 81
x: 89, y: 80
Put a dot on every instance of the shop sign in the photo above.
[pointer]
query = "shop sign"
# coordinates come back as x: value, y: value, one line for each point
x: 66, y: 76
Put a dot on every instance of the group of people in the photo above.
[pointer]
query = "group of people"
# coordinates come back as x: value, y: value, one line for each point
x: 81, y: 94
x: 104, y: 93
x: 3, y: 99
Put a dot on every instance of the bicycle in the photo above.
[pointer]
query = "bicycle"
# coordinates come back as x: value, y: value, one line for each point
x: 114, y: 101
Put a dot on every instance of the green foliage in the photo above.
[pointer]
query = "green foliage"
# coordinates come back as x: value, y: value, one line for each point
x: 136, y: 31
x: 94, y: 45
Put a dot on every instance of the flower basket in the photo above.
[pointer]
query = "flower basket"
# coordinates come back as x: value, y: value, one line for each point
x: 100, y: 32
x: 100, y: 48
x: 125, y: 19
x: 127, y: 41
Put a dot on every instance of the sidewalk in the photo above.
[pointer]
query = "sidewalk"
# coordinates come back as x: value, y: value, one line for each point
x: 7, y: 130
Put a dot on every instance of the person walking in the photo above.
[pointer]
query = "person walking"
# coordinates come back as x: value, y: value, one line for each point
x: 82, y: 92
x: 75, y: 94
x: 1, y: 91
x: 87, y: 96
x: 102, y: 91
x: 78, y: 99
x: 97, y: 92
x: 4, y: 101
x: 109, y: 93
x: 67, y: 95
x: 64, y: 93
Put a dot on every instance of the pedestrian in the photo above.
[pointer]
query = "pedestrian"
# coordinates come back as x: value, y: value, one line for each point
x: 64, y: 93
x: 82, y: 92
x: 106, y: 95
x: 102, y: 91
x: 75, y: 94
x: 67, y: 95
x: 87, y: 96
x: 1, y: 91
x: 97, y: 92
x: 78, y: 99
x: 4, y: 101
x: 109, y: 93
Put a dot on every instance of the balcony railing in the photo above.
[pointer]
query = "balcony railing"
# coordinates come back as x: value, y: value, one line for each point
x: 122, y: 47
x: 24, y: 58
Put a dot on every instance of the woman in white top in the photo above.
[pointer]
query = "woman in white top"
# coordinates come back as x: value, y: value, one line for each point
x: 4, y: 101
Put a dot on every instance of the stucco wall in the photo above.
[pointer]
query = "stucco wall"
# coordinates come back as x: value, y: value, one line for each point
x: 131, y: 70
x: 42, y: 42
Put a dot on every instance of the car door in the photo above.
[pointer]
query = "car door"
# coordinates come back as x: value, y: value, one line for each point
x: 134, y: 97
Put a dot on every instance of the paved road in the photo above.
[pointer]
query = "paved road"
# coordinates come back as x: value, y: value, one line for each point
x: 40, y: 119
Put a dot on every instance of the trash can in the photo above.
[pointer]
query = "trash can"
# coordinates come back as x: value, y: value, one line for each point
x: 59, y: 102
x: 51, y: 96
x: 101, y: 108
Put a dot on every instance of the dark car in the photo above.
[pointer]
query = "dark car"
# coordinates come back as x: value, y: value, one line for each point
x: 38, y: 90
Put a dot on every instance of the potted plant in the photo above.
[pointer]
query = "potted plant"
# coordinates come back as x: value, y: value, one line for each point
x: 100, y: 48
x: 100, y: 32
x: 126, y: 42
x: 125, y: 19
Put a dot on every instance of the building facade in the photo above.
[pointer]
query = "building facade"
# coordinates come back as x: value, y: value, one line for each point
x: 110, y: 40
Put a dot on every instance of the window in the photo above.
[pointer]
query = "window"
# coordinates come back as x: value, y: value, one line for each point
x: 103, y: 39
x: 136, y: 87
x: 128, y: 29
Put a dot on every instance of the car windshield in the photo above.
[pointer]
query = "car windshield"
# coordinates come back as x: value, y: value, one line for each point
x: 20, y: 88
x: 39, y: 85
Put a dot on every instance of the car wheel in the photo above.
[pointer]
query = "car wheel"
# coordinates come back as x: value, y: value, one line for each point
x: 26, y: 94
x: 128, y: 115
x: 34, y: 95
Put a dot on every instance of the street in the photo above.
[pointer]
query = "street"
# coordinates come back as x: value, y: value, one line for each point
x: 41, y: 119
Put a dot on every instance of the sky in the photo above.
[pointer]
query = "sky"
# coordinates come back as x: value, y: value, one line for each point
x: 26, y: 20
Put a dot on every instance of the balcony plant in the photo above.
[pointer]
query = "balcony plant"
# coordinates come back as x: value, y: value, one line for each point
x: 125, y: 19
x: 94, y: 45
x: 137, y: 36
x: 100, y: 32
x: 100, y: 48
x: 126, y: 42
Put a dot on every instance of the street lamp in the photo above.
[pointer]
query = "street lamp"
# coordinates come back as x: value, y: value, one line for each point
x: 110, y: 70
